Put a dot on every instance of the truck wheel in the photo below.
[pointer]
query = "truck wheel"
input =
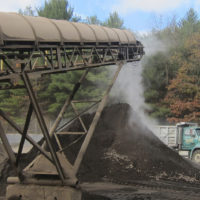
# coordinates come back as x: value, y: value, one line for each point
x: 196, y: 156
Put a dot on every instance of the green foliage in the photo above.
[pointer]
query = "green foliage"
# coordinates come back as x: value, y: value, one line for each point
x: 56, y: 9
x: 159, y: 112
x: 188, y: 26
x: 156, y: 75
x: 13, y: 102
x: 53, y: 93
x: 183, y: 96
x: 172, y: 79
x: 93, y: 20
x: 114, y: 21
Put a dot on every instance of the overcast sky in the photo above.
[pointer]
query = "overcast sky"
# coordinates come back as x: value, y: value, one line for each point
x: 138, y: 15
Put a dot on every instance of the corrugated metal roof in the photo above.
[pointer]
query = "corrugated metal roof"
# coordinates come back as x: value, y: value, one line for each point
x: 15, y: 27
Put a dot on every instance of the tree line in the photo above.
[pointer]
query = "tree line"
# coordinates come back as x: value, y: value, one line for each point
x: 171, y: 78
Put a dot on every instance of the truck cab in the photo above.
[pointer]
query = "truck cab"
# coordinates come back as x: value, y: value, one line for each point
x: 188, y: 139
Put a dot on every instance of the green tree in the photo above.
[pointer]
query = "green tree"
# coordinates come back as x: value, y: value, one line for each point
x: 183, y: 96
x: 14, y: 102
x: 158, y: 71
x: 188, y: 25
x: 114, y: 21
x: 171, y: 81
x: 93, y: 20
x: 56, y: 9
x: 29, y: 11
x: 54, y: 94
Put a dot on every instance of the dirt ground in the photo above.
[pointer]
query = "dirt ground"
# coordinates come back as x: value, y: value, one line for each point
x: 141, y: 191
x: 126, y: 161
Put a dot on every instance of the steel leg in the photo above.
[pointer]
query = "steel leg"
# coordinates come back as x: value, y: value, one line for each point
x: 95, y: 121
x: 42, y: 124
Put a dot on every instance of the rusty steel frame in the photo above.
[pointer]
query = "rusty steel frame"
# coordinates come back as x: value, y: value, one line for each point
x: 61, y: 59
x: 42, y: 124
x: 48, y: 59
x: 34, y: 106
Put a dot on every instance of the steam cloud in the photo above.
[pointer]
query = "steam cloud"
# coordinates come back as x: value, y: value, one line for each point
x: 128, y: 87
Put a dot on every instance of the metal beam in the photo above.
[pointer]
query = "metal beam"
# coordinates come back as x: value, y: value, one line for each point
x: 68, y: 102
x: 59, y: 129
x: 7, y: 146
x: 21, y: 145
x: 106, y: 55
x: 18, y: 129
x: 42, y: 124
x: 95, y: 121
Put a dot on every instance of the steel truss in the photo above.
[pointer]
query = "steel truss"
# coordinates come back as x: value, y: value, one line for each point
x: 55, y: 59
x: 65, y: 170
x: 20, y: 62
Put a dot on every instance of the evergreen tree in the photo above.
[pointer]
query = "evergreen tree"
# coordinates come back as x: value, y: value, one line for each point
x: 114, y: 21
x: 171, y: 80
x: 189, y: 25
x: 14, y: 103
x: 93, y: 20
x: 56, y: 9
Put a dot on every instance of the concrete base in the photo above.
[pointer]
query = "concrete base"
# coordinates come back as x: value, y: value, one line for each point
x: 37, y: 192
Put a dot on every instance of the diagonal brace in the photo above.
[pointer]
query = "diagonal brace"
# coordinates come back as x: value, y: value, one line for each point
x: 18, y: 129
x: 42, y: 124
x: 7, y: 146
x: 95, y: 121
x: 21, y: 145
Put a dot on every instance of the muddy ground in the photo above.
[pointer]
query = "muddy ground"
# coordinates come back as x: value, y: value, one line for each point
x: 126, y: 161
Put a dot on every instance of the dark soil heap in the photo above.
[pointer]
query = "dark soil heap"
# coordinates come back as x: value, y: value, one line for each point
x: 125, y: 151
x: 120, y: 151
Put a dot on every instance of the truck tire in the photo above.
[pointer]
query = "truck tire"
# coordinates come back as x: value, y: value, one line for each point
x: 196, y: 156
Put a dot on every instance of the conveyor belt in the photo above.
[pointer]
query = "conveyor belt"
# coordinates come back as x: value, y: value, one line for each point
x: 38, y: 44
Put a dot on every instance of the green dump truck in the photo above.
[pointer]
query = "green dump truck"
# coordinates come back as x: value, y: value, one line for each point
x: 184, y: 137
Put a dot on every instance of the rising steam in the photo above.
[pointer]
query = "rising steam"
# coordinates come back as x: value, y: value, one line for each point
x: 128, y: 87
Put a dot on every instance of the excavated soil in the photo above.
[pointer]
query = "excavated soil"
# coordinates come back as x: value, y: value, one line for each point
x: 122, y: 150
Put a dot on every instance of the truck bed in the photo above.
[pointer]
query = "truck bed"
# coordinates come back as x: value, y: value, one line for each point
x: 167, y: 134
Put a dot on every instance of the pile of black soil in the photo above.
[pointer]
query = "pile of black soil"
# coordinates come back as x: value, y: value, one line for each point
x: 123, y: 150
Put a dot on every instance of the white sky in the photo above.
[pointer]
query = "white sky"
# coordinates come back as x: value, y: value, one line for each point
x: 15, y: 5
x: 157, y: 6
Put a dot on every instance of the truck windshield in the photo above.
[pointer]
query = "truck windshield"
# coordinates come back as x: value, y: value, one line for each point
x: 198, y: 132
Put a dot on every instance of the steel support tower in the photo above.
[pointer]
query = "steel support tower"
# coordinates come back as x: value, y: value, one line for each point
x: 34, y: 47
